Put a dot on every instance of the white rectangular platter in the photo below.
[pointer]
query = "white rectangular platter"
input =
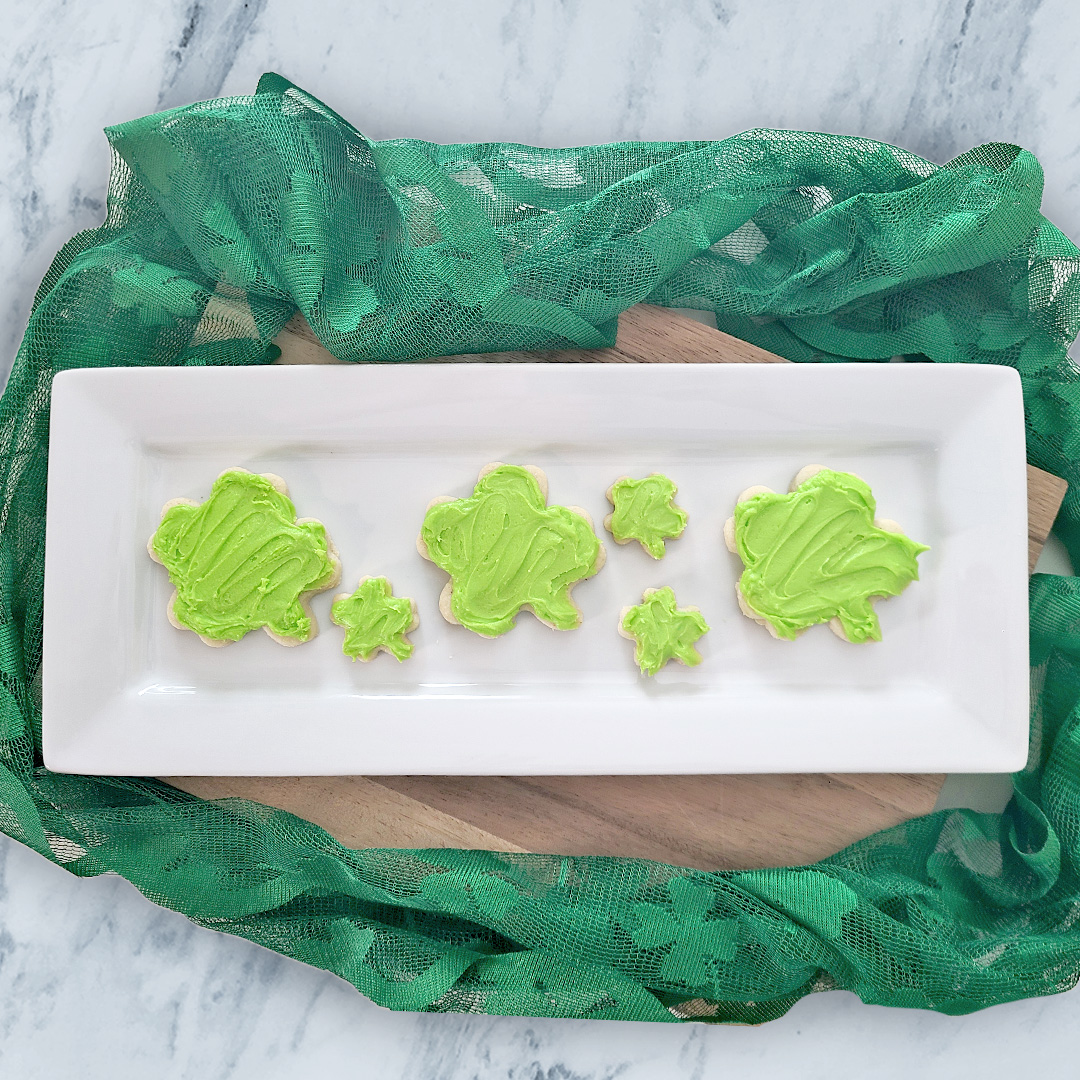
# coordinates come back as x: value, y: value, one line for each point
x: 365, y: 449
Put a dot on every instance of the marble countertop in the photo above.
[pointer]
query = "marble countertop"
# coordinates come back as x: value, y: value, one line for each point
x: 95, y: 980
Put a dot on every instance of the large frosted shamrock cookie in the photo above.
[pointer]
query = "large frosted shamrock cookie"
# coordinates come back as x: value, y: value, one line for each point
x: 242, y: 560
x: 817, y: 555
x: 645, y: 510
x: 661, y: 631
x: 505, y: 549
x: 375, y: 620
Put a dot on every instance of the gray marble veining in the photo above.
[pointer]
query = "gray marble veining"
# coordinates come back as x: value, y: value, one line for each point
x: 96, y: 981
x: 935, y: 77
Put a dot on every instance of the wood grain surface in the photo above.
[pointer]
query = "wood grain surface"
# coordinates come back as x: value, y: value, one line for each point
x: 710, y: 822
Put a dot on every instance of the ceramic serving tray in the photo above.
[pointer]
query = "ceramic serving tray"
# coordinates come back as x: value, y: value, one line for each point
x: 364, y: 449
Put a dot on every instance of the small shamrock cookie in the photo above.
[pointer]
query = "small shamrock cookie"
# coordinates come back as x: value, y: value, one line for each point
x: 645, y: 510
x: 505, y: 549
x: 375, y: 620
x: 661, y: 631
x: 818, y: 555
x: 242, y: 561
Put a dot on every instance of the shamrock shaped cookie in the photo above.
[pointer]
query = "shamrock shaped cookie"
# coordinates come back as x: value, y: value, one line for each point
x: 242, y: 560
x: 661, y: 631
x: 375, y: 620
x: 505, y: 549
x: 817, y: 555
x: 645, y: 510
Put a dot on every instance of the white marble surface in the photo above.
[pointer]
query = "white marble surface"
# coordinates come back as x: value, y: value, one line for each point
x: 95, y: 981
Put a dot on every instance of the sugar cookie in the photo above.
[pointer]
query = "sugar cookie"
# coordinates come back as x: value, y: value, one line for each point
x: 818, y: 555
x: 661, y: 631
x: 242, y: 560
x: 375, y: 620
x: 645, y: 510
x: 505, y: 549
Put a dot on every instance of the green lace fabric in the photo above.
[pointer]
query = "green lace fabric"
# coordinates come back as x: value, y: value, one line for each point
x: 227, y: 217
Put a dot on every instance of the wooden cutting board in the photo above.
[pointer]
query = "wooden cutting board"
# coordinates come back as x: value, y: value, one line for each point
x: 710, y: 822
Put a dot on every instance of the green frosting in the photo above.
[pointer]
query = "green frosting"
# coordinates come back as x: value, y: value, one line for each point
x: 645, y: 510
x: 816, y: 554
x: 240, y: 560
x: 375, y: 619
x: 505, y: 548
x: 662, y: 632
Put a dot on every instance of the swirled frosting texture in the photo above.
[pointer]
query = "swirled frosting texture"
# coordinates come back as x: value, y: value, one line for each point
x: 662, y: 632
x: 815, y: 554
x: 505, y: 548
x: 645, y: 510
x: 375, y: 619
x: 240, y: 561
